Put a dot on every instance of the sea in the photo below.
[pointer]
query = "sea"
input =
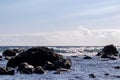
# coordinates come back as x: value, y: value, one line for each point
x: 80, y: 69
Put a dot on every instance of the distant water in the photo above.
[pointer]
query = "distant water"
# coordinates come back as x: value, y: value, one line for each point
x: 60, y: 49
x: 64, y: 50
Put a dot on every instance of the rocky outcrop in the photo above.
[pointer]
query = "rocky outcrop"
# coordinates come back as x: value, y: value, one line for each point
x: 41, y: 58
x: 36, y: 56
x: 109, y: 51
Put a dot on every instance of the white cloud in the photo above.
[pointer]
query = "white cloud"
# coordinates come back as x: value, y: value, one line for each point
x: 77, y: 37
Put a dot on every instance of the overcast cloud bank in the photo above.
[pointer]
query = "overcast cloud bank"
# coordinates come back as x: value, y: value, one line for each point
x: 78, y: 37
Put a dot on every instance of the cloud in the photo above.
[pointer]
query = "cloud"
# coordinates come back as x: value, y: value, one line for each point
x: 78, y: 37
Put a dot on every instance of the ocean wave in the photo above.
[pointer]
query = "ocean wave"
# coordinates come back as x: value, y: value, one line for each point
x: 77, y: 50
x: 66, y: 51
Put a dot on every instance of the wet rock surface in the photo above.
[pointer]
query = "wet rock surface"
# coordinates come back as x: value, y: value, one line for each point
x: 109, y: 51
x: 40, y: 58
x: 5, y: 71
x: 10, y: 53
x: 1, y: 57
x: 87, y: 57
x: 92, y: 76
x: 101, y: 68
x: 39, y: 70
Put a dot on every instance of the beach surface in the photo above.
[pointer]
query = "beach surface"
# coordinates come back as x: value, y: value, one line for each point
x: 102, y: 69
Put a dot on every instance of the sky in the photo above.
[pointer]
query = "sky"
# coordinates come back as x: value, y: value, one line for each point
x: 59, y: 22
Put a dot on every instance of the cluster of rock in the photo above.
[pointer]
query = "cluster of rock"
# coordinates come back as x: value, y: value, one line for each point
x: 35, y: 60
x: 109, y: 51
x: 39, y: 59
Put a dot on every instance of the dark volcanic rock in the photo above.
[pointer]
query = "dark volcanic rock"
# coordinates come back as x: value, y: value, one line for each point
x: 113, y: 58
x: 106, y: 74
x: 65, y: 63
x: 49, y: 66
x: 7, y: 58
x: 117, y: 67
x: 99, y: 53
x: 4, y: 71
x: 38, y: 56
x: 12, y: 52
x: 9, y: 53
x: 39, y: 70
x: 27, y: 71
x: 92, y: 76
x: 16, y: 61
x: 25, y: 68
x: 24, y: 65
x: 12, y: 72
x: 104, y: 56
x: 0, y: 57
x: 87, y: 57
x: 109, y: 51
x: 116, y: 76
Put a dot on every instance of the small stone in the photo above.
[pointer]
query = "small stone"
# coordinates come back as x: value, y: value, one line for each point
x: 92, y: 76
x: 99, y: 53
x: 87, y: 57
x: 117, y: 76
x: 106, y: 74
x: 75, y: 56
x: 117, y: 67
x: 57, y: 72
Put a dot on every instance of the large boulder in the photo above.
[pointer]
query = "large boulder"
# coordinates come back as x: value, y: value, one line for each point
x: 35, y: 56
x: 108, y: 52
